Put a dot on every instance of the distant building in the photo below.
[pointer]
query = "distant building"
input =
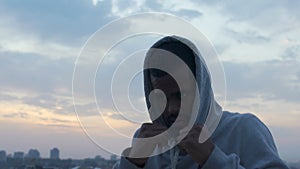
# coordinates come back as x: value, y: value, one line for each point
x: 113, y: 157
x: 100, y: 161
x: 54, y: 153
x: 19, y: 155
x: 2, y: 156
x: 33, y: 153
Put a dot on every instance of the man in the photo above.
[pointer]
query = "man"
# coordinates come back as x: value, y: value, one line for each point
x: 239, y: 141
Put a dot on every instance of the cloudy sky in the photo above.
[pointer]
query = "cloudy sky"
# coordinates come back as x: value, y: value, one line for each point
x: 257, y: 43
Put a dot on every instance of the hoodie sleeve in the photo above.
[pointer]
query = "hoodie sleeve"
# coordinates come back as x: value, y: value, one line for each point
x: 256, y: 146
x: 124, y: 163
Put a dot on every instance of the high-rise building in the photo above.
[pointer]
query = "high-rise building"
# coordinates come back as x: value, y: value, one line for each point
x: 113, y: 157
x: 2, y: 156
x: 33, y: 153
x: 19, y: 155
x: 54, y: 153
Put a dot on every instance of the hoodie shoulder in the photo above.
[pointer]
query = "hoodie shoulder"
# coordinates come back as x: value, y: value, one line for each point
x: 230, y: 117
x: 242, y: 124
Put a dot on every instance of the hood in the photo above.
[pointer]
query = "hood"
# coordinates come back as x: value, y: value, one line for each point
x: 209, y: 110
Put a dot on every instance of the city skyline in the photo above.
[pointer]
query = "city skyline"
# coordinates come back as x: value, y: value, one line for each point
x: 17, y: 153
x: 32, y: 160
x: 49, y: 162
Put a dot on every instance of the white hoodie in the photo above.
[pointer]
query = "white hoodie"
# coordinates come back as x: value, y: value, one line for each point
x: 241, y: 140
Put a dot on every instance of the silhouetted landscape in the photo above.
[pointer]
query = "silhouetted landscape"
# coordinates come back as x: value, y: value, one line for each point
x: 32, y: 160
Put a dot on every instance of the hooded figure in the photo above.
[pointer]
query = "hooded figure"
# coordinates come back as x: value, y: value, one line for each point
x: 239, y: 140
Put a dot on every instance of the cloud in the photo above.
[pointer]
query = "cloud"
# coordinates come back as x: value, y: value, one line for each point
x: 292, y: 53
x: 52, y: 78
x: 63, y: 21
x: 18, y: 112
x: 255, y: 9
x: 248, y: 36
x: 125, y: 8
x: 271, y: 16
x: 50, y: 29
x: 122, y: 8
x: 244, y: 32
x: 22, y: 115
x: 34, y: 73
x: 18, y: 40
x: 154, y: 5
x: 95, y: 2
x: 275, y: 80
x: 188, y: 14
x: 59, y: 126
x: 287, y: 141
x: 49, y: 82
x: 54, y: 102
x: 46, y: 83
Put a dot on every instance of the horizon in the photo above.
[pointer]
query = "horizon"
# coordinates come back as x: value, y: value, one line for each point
x: 25, y: 155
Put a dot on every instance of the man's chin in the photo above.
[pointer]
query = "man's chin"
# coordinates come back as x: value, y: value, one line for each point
x: 178, y: 125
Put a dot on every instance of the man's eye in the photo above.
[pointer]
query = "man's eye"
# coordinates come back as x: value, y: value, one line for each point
x: 183, y: 94
x: 180, y: 95
x: 160, y: 96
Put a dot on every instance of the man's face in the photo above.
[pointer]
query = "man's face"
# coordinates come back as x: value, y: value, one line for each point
x: 174, y: 96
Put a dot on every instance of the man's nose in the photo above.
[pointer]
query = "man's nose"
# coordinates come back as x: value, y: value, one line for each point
x: 173, y: 106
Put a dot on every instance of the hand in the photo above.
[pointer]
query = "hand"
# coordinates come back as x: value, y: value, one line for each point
x: 199, y: 152
x: 145, y: 148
